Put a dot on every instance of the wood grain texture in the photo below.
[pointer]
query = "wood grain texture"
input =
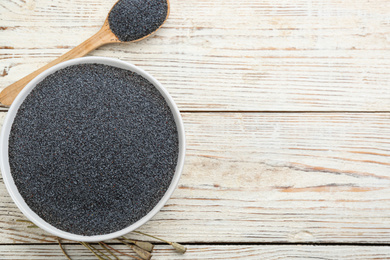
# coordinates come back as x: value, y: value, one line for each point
x: 102, y: 37
x: 231, y: 55
x: 249, y: 177
x: 269, y: 177
x: 216, y: 252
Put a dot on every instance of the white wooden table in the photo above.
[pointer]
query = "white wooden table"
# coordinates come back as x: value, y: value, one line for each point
x: 286, y: 106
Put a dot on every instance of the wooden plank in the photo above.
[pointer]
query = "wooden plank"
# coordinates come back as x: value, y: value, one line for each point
x: 231, y: 55
x: 195, y: 252
x: 269, y: 177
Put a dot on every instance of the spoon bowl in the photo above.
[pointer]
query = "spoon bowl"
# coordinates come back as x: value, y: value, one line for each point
x: 104, y: 36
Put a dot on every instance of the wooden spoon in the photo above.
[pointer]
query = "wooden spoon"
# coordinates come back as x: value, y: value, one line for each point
x: 102, y: 37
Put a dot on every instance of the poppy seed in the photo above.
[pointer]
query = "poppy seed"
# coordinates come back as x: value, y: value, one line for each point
x: 93, y: 148
x: 131, y: 20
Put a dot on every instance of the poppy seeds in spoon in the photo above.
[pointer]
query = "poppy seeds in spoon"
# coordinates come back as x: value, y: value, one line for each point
x: 131, y: 20
x: 93, y: 148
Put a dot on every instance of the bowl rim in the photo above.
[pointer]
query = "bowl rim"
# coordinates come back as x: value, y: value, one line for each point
x: 5, y: 132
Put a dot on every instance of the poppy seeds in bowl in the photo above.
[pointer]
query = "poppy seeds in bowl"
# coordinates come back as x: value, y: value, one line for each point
x: 131, y: 20
x: 93, y: 148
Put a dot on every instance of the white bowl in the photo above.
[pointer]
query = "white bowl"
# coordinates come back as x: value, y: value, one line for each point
x: 5, y: 168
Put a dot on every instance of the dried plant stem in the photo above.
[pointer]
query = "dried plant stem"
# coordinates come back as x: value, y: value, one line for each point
x: 113, y: 249
x: 141, y: 248
x: 108, y: 250
x: 139, y: 251
x: 27, y: 221
x: 144, y: 245
x: 97, y: 250
x: 142, y: 253
x: 90, y: 249
x: 22, y: 220
x: 62, y: 249
x: 180, y: 248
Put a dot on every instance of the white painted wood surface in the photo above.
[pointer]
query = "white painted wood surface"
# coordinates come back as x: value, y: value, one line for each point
x: 286, y: 106
x: 300, y: 55
x: 195, y: 252
x: 260, y: 177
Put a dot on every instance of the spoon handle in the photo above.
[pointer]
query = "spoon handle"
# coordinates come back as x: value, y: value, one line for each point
x: 103, y: 36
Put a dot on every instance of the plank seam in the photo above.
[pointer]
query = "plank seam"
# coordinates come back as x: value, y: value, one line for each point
x: 225, y: 244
